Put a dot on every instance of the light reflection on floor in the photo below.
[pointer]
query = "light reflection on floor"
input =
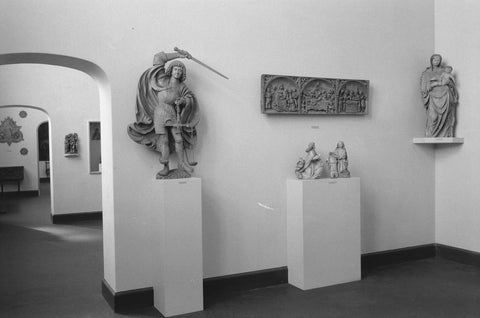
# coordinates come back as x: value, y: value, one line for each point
x: 71, y: 233
x: 35, y: 213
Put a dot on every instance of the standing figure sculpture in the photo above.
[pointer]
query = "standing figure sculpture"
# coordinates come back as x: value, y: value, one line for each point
x: 312, y: 166
x: 332, y: 163
x: 440, y: 98
x: 166, y: 113
x: 338, y: 160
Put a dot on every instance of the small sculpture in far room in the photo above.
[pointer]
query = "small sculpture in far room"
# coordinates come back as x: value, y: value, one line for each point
x: 338, y: 162
x: 312, y: 166
x: 71, y: 144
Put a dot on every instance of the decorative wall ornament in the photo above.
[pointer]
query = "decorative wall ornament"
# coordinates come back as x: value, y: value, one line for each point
x: 283, y: 94
x: 24, y: 151
x: 22, y: 114
x: 10, y: 132
x: 312, y: 166
x: 338, y: 162
x: 440, y: 98
x: 71, y: 144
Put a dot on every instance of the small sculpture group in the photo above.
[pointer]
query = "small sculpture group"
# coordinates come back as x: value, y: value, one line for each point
x: 312, y: 166
x: 71, y: 144
x: 440, y: 98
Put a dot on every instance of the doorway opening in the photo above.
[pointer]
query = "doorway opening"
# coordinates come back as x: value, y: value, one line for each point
x: 43, y: 153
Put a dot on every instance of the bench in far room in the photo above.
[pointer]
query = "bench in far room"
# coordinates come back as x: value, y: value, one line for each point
x: 11, y: 174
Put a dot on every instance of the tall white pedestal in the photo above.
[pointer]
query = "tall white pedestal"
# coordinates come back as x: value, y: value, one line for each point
x: 177, y: 259
x: 323, y: 232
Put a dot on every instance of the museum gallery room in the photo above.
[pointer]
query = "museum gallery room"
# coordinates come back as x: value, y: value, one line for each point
x: 214, y: 158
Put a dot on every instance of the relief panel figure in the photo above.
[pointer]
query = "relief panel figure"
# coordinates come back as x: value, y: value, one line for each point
x: 352, y: 98
x: 319, y: 96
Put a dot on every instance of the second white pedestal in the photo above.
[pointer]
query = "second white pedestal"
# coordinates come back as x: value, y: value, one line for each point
x: 177, y: 259
x: 323, y: 232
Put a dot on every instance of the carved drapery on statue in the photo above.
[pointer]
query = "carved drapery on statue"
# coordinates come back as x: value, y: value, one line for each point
x: 338, y: 162
x: 143, y: 130
x: 311, y: 166
x: 440, y: 98
x: 166, y: 109
x: 10, y: 132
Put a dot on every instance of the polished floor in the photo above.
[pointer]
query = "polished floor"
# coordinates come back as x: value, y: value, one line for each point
x: 52, y: 271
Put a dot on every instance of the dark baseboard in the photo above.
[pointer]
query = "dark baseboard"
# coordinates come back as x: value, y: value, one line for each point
x: 21, y: 194
x: 372, y: 261
x: 44, y: 180
x: 458, y: 255
x: 127, y: 300
x: 76, y: 217
x: 245, y: 281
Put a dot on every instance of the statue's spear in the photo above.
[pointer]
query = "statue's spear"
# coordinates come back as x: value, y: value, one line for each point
x: 189, y: 56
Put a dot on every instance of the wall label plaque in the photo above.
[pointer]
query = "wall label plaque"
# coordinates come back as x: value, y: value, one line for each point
x: 284, y: 94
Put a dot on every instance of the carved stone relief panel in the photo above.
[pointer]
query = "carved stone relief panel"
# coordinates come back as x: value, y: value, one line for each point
x: 71, y: 145
x: 283, y: 94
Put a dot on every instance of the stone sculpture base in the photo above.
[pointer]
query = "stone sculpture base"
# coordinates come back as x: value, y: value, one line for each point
x: 175, y: 174
x: 323, y: 232
x: 177, y: 247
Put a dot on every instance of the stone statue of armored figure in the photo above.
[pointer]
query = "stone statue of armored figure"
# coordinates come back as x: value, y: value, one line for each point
x: 338, y: 162
x: 167, y: 114
x: 312, y: 166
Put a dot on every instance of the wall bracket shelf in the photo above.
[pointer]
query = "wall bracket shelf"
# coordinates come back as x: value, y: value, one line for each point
x: 438, y: 140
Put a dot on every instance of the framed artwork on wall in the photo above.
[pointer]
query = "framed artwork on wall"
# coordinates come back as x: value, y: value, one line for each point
x: 95, y: 150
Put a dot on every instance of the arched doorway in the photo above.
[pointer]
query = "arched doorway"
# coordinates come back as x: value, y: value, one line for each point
x: 43, y: 152
x: 103, y: 88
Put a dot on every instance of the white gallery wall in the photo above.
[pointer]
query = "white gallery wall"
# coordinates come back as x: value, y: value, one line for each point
x: 245, y: 157
x: 10, y: 154
x: 457, y: 25
x: 70, y: 98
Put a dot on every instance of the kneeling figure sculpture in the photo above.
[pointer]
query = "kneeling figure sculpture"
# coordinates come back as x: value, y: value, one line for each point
x: 312, y: 166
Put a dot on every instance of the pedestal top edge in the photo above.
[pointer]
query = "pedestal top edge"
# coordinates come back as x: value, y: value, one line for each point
x: 323, y: 180
x: 182, y: 180
x: 438, y: 140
